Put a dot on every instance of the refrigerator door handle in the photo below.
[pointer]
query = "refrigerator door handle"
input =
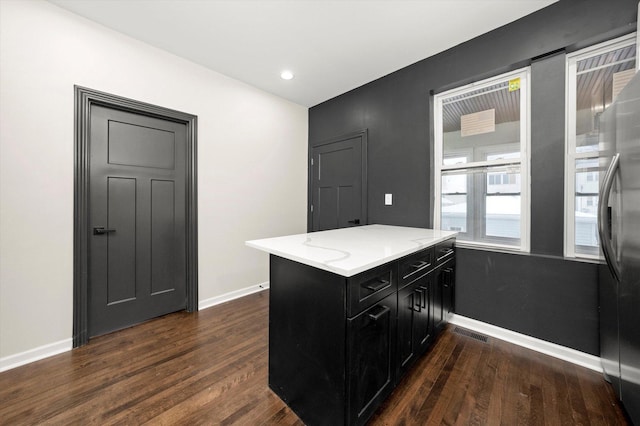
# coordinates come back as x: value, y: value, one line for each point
x: 603, y: 228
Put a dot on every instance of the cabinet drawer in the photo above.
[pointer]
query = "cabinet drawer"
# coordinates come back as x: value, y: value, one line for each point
x: 369, y: 287
x: 415, y: 265
x: 445, y: 251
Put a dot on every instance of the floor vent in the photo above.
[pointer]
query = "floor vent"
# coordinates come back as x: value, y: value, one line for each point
x: 471, y: 334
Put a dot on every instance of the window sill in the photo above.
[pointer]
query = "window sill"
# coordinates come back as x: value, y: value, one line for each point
x: 510, y: 250
x: 490, y: 247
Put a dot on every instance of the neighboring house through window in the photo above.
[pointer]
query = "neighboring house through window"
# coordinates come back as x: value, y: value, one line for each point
x: 595, y: 76
x: 482, y: 162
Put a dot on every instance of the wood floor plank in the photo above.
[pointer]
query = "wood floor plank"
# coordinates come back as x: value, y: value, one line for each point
x: 210, y: 367
x: 496, y: 411
x: 427, y: 409
x: 516, y: 392
x: 485, y: 393
x: 562, y: 395
x: 467, y: 412
x: 448, y: 407
x: 459, y: 405
x: 536, y: 412
x: 409, y: 395
x: 576, y: 397
x: 598, y: 399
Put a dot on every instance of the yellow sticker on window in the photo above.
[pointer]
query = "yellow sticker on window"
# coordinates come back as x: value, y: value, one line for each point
x: 514, y: 84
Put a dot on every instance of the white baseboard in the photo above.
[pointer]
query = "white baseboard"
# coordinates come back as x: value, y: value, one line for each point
x: 571, y: 355
x: 567, y: 354
x: 227, y: 297
x: 35, y: 354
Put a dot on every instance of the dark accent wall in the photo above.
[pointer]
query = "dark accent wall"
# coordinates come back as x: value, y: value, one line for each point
x: 549, y: 298
x: 397, y: 114
x: 547, y: 154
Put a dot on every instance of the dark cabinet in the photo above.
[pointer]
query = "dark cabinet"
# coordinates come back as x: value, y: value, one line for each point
x: 444, y: 293
x: 415, y: 325
x: 448, y: 289
x: 371, y: 352
x: 367, y: 288
x: 414, y: 266
x: 424, y: 326
x: 338, y: 345
x: 444, y: 251
x: 406, y: 318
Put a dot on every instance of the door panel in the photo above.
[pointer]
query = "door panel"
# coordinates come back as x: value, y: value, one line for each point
x: 337, y: 184
x: 346, y: 206
x: 327, y: 206
x: 121, y: 267
x: 134, y: 145
x: 137, y: 191
x: 162, y: 236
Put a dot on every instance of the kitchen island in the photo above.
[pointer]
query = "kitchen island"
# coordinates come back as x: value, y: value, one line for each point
x: 350, y: 310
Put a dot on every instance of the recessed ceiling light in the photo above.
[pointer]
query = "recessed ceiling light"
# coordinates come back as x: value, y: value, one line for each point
x: 286, y: 75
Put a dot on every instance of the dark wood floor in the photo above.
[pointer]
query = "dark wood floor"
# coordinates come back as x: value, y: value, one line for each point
x: 211, y: 368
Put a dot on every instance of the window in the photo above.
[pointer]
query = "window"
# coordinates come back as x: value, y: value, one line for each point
x: 594, y: 77
x: 481, y: 162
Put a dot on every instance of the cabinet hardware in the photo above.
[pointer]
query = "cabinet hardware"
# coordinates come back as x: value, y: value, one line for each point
x: 375, y: 286
x: 419, y: 265
x: 419, y: 304
x: 448, y: 273
x: 381, y: 311
x: 424, y: 299
x: 445, y: 252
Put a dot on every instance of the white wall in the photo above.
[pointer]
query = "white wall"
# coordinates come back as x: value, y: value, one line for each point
x: 252, y: 151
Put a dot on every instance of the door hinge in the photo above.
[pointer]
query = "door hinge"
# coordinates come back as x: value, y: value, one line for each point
x: 311, y: 208
x: 312, y: 161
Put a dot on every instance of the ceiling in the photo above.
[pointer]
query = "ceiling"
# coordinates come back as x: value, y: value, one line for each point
x: 331, y: 46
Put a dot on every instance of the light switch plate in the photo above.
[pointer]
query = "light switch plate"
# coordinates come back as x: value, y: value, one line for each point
x: 388, y: 199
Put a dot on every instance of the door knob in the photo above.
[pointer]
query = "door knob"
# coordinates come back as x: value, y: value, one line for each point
x: 354, y: 221
x: 99, y: 230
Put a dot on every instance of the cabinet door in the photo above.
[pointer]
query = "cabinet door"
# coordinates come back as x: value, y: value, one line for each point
x: 424, y: 322
x: 448, y: 289
x: 371, y: 354
x: 444, y: 293
x: 407, y: 306
x: 414, y: 321
x: 437, y: 301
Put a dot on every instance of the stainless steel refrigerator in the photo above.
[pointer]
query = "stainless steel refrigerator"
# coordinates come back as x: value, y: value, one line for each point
x: 619, y: 227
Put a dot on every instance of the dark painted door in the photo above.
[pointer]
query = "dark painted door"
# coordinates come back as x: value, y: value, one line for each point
x: 337, y: 183
x: 137, y: 250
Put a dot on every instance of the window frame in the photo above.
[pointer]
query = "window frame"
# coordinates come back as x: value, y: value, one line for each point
x: 571, y: 155
x: 523, y: 162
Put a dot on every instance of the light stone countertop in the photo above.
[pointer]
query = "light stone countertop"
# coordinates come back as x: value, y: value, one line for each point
x: 349, y: 251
